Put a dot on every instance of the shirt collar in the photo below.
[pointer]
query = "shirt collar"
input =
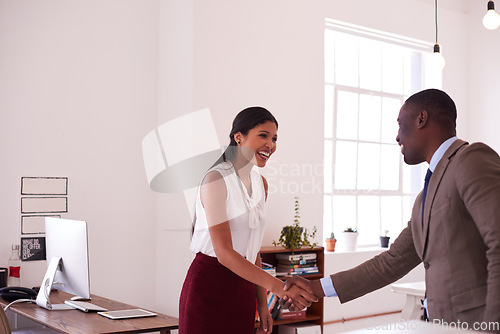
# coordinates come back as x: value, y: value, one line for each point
x: 436, y: 157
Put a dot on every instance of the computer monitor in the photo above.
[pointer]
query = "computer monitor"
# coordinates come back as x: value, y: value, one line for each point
x: 67, y: 260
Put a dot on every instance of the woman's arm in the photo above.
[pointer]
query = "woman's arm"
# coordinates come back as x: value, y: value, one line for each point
x: 260, y: 291
x: 266, y: 321
x: 213, y: 197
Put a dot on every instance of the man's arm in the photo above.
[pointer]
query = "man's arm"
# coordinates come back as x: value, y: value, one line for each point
x: 371, y: 275
x: 379, y: 271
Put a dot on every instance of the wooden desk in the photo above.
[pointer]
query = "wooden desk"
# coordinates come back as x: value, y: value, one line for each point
x: 414, y: 293
x: 75, y: 321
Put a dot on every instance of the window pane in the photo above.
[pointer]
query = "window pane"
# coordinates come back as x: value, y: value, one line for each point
x: 392, y: 67
x: 407, y: 207
x: 407, y: 180
x: 328, y: 168
x: 390, y: 207
x: 412, y: 60
x: 413, y: 177
x: 344, y: 212
x: 329, y: 93
x: 369, y: 117
x: 390, y: 112
x: 389, y: 175
x: 369, y: 166
x: 370, y: 64
x: 417, y: 69
x: 327, y: 215
x: 346, y: 59
x: 347, y: 115
x: 329, y: 55
x: 366, y: 182
x: 368, y: 219
x: 345, y: 165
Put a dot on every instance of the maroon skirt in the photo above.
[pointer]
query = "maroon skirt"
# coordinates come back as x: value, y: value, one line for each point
x: 214, y: 300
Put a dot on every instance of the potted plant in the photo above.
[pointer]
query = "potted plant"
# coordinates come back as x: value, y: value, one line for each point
x: 350, y: 238
x: 384, y: 240
x: 330, y: 243
x: 295, y: 236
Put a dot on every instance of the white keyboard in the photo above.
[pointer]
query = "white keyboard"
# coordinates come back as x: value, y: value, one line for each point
x: 84, y: 306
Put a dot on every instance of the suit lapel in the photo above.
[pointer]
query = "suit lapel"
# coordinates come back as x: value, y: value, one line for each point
x: 434, y: 183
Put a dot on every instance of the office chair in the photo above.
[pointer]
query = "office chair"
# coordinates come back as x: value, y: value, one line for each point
x: 4, y: 322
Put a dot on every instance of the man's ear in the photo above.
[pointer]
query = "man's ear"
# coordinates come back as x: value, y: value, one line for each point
x: 422, y: 119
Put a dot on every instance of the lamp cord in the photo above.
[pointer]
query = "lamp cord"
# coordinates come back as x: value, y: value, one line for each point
x: 436, y: 18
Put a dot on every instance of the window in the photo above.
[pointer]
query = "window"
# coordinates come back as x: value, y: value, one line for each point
x: 368, y: 76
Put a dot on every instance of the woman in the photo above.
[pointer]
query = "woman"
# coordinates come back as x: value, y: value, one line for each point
x: 225, y: 281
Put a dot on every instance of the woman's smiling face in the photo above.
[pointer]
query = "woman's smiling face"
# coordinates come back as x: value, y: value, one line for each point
x: 260, y: 143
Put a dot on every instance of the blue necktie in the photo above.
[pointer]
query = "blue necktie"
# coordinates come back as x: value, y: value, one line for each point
x: 426, y: 184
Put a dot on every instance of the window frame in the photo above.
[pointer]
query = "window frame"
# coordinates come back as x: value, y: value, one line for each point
x: 428, y: 77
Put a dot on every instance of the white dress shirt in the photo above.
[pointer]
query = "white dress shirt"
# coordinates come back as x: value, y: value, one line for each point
x: 245, y: 213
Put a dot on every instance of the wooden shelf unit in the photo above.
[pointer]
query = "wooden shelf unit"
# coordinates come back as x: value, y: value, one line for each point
x: 315, y: 311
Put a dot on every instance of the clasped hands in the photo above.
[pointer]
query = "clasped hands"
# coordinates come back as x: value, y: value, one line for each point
x: 300, y: 293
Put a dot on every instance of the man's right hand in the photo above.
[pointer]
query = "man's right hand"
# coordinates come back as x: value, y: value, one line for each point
x: 311, y: 286
x: 300, y: 298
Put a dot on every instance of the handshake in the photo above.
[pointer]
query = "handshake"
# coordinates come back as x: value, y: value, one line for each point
x: 299, y: 293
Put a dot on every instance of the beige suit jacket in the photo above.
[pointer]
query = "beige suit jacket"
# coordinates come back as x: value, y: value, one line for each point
x: 458, y: 243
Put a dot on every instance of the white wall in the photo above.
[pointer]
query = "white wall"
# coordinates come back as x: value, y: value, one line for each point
x: 175, y: 99
x: 483, y: 79
x: 82, y: 82
x: 78, y: 91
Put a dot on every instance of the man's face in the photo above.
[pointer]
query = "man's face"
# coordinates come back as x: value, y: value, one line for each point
x: 408, y: 135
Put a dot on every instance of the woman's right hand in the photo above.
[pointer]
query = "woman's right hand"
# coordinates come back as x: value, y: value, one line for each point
x: 299, y: 297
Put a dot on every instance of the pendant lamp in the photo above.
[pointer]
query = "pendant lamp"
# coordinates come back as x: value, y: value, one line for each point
x: 491, y: 19
x: 437, y: 57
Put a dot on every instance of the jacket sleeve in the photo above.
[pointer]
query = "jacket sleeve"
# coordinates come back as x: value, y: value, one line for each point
x: 478, y: 182
x: 379, y: 271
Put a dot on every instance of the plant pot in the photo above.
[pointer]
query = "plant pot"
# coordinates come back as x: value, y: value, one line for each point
x: 384, y: 242
x: 330, y: 244
x: 350, y: 240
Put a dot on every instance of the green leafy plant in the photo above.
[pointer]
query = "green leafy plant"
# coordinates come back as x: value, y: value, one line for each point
x: 350, y: 229
x: 295, y: 236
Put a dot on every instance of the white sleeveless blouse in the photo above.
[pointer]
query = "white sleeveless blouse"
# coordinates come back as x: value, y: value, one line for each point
x: 246, y: 214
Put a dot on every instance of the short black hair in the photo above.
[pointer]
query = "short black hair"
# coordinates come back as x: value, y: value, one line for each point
x: 438, y: 104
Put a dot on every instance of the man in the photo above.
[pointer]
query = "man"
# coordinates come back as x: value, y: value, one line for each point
x: 454, y: 229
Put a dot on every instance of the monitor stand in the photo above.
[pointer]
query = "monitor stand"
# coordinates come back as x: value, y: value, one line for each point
x: 43, y: 297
